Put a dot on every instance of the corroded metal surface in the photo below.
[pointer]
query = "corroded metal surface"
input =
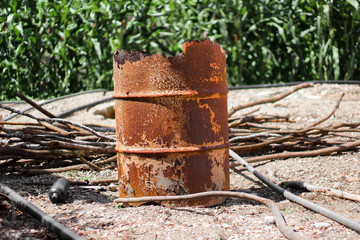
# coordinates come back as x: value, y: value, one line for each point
x: 171, y: 122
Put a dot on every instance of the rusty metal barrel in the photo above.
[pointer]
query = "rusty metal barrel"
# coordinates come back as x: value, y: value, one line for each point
x: 171, y: 122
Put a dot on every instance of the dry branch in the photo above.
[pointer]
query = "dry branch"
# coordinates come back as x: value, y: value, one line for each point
x: 44, y: 136
x: 40, y: 154
x: 271, y: 99
x: 247, y: 148
x: 52, y: 120
x: 318, y: 130
x: 328, y: 191
x: 313, y: 153
x: 256, y: 126
x: 54, y: 128
x: 244, y: 114
x: 95, y: 182
x: 66, y: 145
x: 36, y: 106
x: 331, y: 113
x: 89, y: 163
x: 255, y: 135
x: 42, y: 110
x: 18, y: 123
x: 80, y: 183
x: 32, y: 171
x: 258, y: 119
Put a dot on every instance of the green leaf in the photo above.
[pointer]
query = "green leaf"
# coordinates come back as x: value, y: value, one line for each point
x: 9, y: 20
x: 354, y: 3
x: 166, y: 33
x: 157, y: 14
x: 280, y: 30
x: 307, y: 31
x: 97, y: 47
x: 19, y: 50
x: 243, y: 10
x: 335, y: 55
x: 20, y: 29
x: 71, y: 26
x: 252, y: 28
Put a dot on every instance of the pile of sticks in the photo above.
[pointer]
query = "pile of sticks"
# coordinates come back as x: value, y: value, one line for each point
x: 53, y: 144
x: 275, y: 143
x: 56, y: 145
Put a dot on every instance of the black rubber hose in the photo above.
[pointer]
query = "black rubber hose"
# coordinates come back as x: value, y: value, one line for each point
x: 286, y: 84
x: 307, y: 204
x: 52, y: 100
x: 71, y: 111
x: 60, y: 230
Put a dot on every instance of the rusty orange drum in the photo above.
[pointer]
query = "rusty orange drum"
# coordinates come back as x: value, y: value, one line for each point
x: 171, y: 122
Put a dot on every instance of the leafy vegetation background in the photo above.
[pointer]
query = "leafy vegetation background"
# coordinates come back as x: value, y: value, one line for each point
x: 50, y: 48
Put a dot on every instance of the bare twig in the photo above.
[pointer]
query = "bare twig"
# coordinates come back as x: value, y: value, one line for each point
x: 89, y: 163
x: 54, y: 128
x: 35, y: 171
x: 326, y: 190
x: 292, y: 134
x: 95, y: 182
x: 41, y: 154
x: 258, y: 119
x: 271, y: 99
x: 330, y: 114
x: 36, y: 106
x: 255, y: 135
x: 66, y: 145
x: 44, y: 111
x: 33, y: 136
x: 89, y: 105
x: 279, y: 218
x: 251, y: 147
x: 80, y: 126
x: 244, y: 114
x: 255, y: 127
x: 64, y: 169
x: 59, y: 98
x: 91, y: 182
x: 107, y: 161
x: 313, y: 153
x: 344, y: 135
x: 19, y: 123
x: 51, y: 120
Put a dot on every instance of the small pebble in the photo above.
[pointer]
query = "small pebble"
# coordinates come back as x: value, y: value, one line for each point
x: 321, y: 225
x: 269, y: 220
x: 225, y: 225
x: 296, y: 228
x: 235, y: 237
x: 112, y: 187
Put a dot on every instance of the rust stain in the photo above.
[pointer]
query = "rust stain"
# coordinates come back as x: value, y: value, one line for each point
x: 171, y: 122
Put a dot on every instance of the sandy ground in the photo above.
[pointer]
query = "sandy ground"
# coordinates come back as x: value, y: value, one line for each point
x: 94, y: 215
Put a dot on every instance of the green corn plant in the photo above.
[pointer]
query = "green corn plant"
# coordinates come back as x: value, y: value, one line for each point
x: 51, y: 48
